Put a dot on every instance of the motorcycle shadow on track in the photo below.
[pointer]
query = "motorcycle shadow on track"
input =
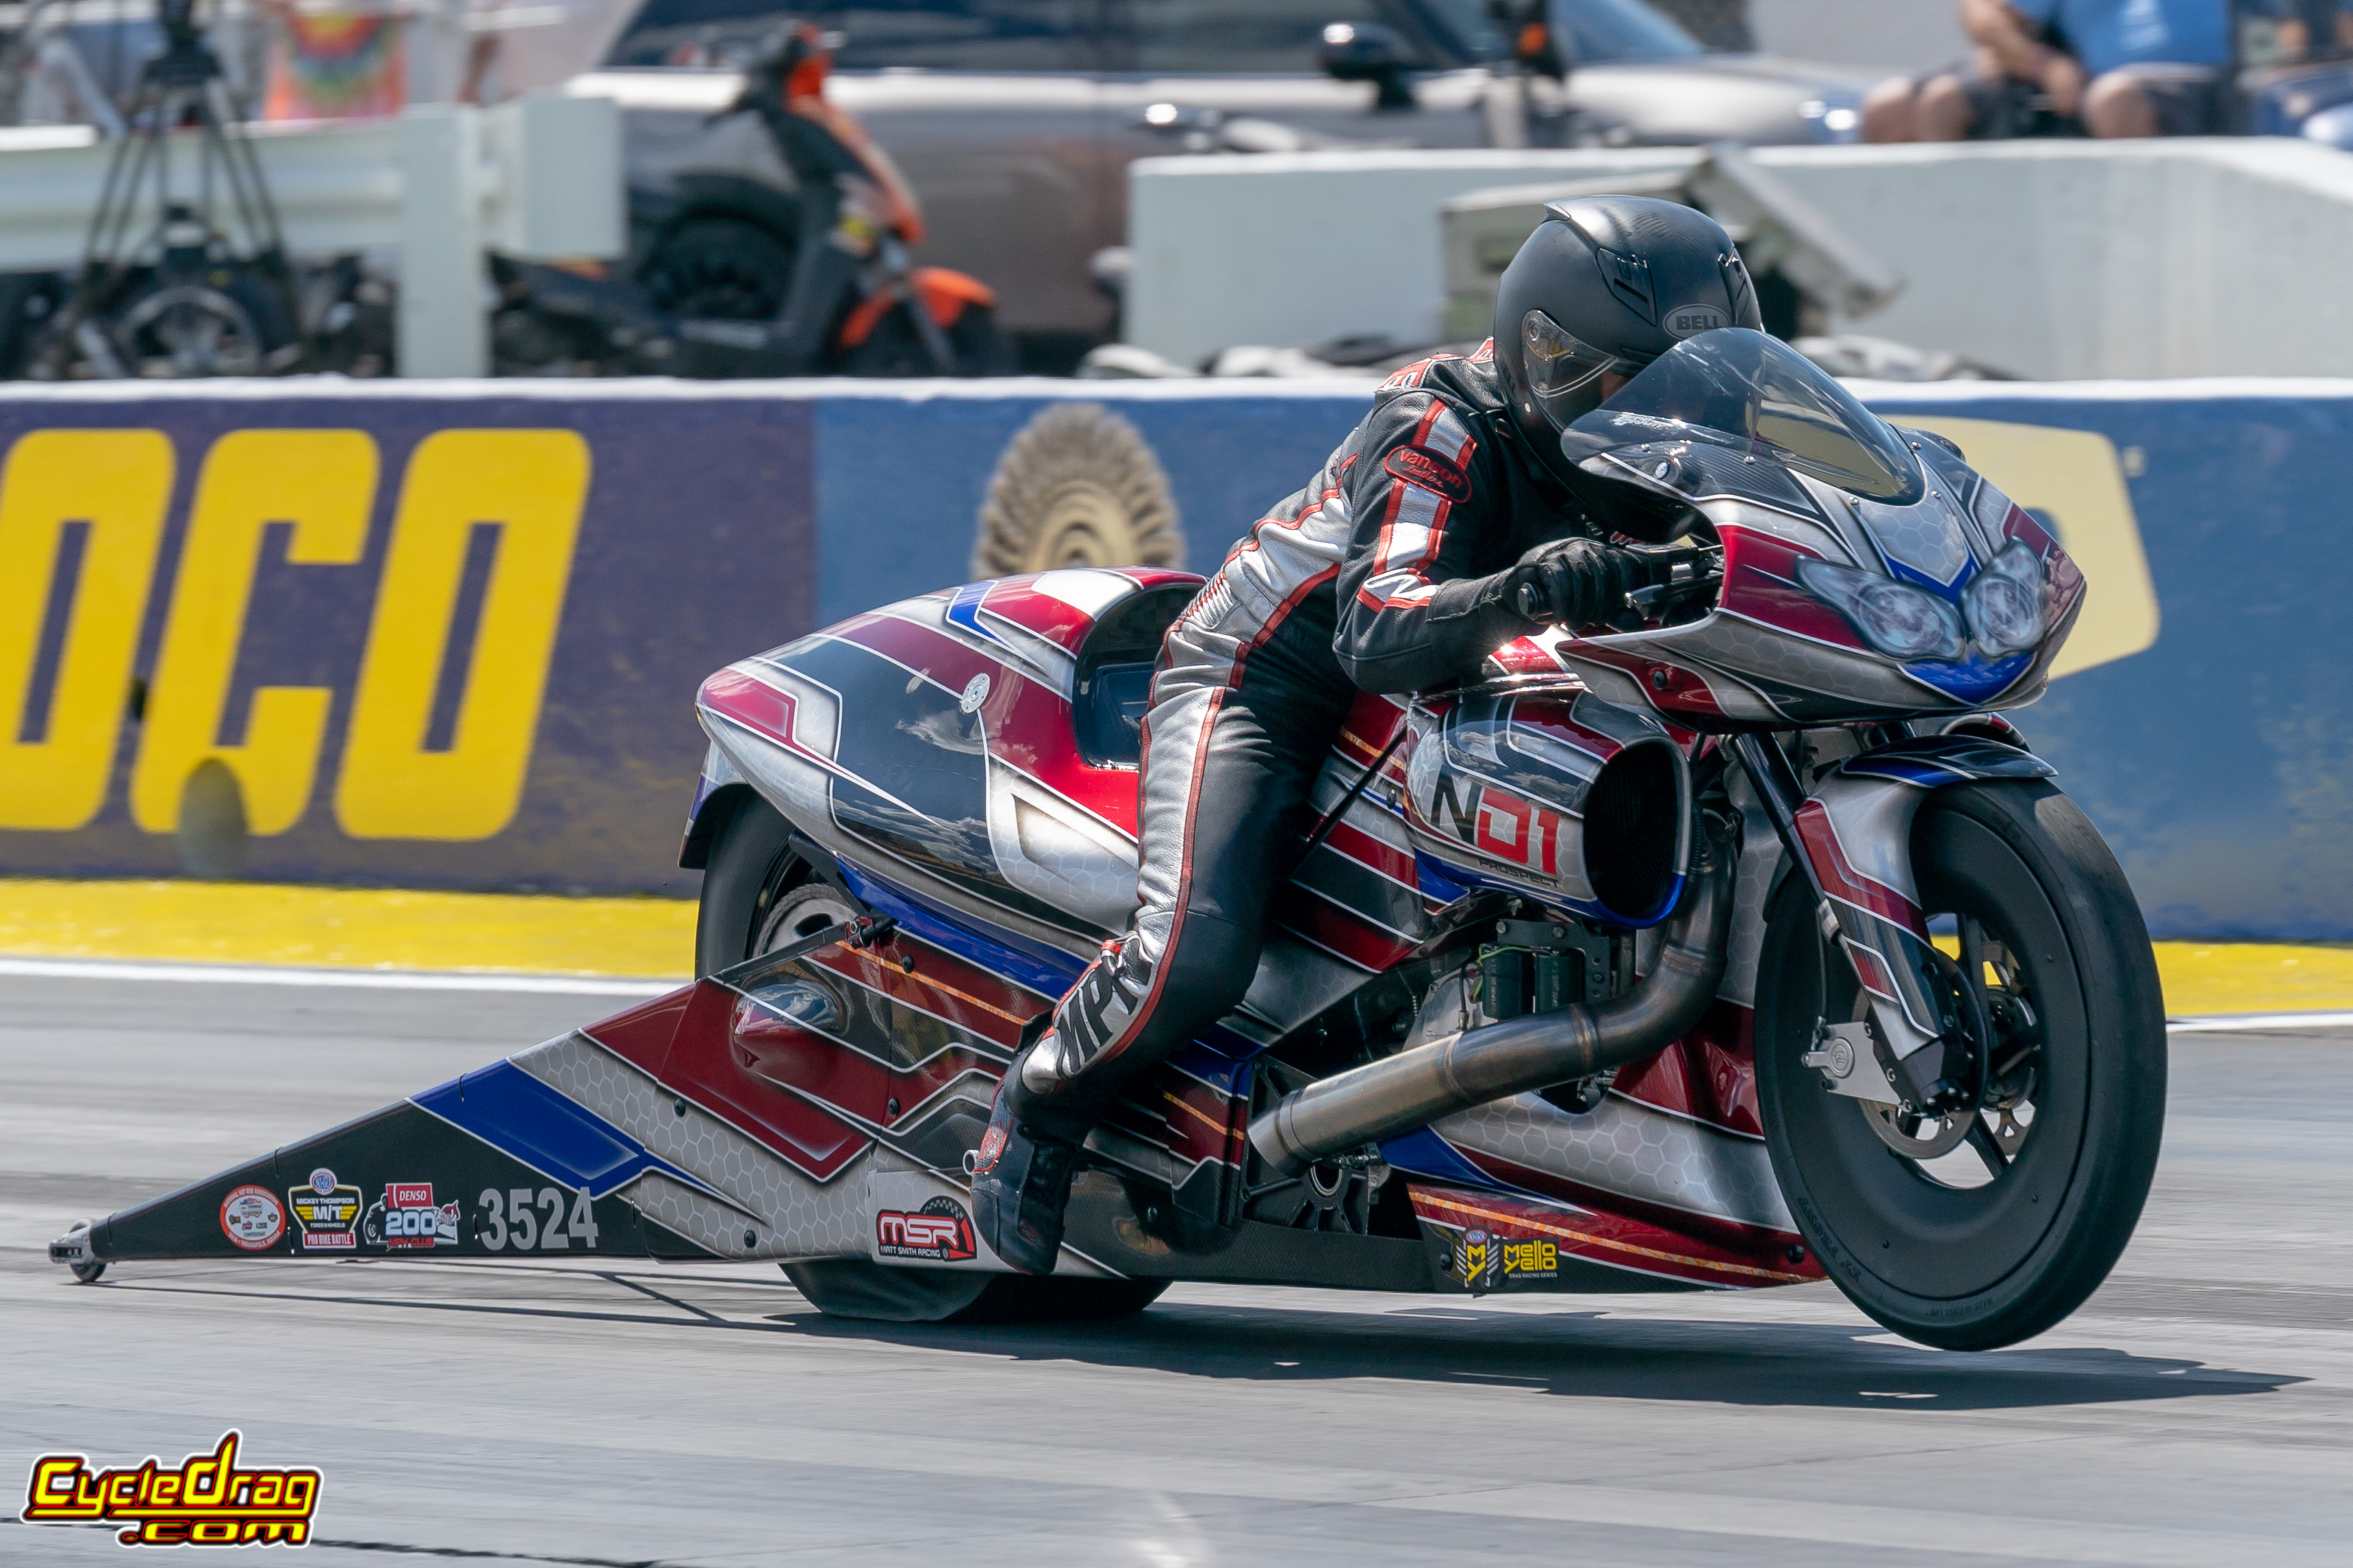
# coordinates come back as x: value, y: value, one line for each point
x: 1571, y: 1352
x: 1582, y: 1354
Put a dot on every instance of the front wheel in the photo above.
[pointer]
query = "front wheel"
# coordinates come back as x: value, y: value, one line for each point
x: 1980, y: 1229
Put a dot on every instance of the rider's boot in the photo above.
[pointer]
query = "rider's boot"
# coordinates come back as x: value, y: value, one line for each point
x: 1021, y: 1181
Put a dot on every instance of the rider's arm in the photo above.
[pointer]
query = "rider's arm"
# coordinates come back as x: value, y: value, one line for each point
x: 1411, y: 612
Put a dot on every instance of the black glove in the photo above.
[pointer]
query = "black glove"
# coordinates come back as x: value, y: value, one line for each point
x: 1573, y: 582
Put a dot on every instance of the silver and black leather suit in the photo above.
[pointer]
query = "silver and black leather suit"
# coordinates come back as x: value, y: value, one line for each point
x: 1448, y: 523
x: 1386, y: 574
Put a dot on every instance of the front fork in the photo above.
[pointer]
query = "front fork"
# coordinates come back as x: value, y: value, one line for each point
x: 1852, y: 838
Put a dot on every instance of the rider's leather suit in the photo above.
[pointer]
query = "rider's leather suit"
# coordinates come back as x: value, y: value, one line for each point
x: 1387, y: 573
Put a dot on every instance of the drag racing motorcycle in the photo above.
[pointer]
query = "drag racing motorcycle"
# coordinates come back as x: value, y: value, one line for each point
x: 1743, y: 946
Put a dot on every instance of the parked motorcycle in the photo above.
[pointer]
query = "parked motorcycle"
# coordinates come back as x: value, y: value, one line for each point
x: 1743, y: 947
x: 775, y: 244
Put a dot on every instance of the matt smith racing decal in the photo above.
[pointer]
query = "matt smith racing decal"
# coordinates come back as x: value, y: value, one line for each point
x: 408, y: 1218
x: 939, y: 1232
x: 204, y: 1501
x: 251, y: 1218
x: 327, y: 1212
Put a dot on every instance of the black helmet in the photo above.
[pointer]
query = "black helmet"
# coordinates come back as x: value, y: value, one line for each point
x: 1608, y: 283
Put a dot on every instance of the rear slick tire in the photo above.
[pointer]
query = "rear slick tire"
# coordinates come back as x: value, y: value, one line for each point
x: 2016, y: 1236
x: 758, y: 895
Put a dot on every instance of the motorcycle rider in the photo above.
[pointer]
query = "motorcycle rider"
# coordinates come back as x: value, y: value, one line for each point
x: 1448, y: 523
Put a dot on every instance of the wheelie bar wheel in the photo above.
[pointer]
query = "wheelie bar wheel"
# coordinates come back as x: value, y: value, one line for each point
x: 1978, y: 1228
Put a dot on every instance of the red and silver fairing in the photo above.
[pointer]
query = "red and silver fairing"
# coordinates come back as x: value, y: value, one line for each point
x: 1868, y: 571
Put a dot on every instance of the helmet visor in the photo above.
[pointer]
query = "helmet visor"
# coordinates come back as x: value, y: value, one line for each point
x: 1563, y: 369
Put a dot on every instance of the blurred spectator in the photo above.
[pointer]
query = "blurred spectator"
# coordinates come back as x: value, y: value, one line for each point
x: 2115, y: 67
x: 2310, y: 30
x: 335, y: 65
x: 1719, y: 25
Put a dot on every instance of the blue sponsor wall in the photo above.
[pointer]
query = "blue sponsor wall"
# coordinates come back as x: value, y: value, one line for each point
x: 2208, y: 737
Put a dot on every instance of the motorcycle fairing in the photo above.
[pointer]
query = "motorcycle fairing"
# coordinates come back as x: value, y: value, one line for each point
x: 1856, y: 833
x: 1788, y: 472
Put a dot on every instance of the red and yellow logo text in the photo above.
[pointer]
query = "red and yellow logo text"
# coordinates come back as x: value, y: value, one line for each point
x: 205, y: 1501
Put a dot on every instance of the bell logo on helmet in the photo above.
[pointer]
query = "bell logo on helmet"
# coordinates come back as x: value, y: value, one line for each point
x: 1690, y: 321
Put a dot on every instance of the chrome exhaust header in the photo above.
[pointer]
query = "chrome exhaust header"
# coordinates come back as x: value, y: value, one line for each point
x: 1396, y: 1094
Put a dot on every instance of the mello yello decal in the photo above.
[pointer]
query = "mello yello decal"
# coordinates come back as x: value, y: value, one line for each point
x: 82, y: 517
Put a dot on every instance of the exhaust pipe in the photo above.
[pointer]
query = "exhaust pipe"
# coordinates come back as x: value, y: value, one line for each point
x: 1400, y: 1093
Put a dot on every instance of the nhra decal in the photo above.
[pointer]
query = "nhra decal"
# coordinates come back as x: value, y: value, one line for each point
x: 1420, y: 466
x: 327, y: 1212
x: 1478, y: 1258
x: 407, y: 1219
x: 939, y: 1232
x: 251, y: 1218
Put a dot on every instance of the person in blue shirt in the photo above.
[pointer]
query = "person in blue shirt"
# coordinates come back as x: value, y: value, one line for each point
x: 2115, y: 67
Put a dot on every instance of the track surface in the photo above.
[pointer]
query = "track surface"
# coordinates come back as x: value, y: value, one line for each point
x: 2198, y: 1411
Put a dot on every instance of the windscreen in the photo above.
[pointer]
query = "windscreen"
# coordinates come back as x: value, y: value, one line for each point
x: 1740, y: 389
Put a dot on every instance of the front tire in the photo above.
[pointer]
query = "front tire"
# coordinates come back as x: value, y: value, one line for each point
x: 1980, y: 1232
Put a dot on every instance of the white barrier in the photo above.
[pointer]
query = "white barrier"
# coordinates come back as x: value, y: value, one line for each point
x: 539, y: 178
x: 2054, y: 259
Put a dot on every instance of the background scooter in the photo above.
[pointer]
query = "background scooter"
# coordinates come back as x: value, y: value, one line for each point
x: 792, y: 262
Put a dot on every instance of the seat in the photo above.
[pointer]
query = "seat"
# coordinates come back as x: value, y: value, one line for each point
x: 1116, y: 661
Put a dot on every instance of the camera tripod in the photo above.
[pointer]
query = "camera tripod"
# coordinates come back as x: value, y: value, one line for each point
x: 182, y: 298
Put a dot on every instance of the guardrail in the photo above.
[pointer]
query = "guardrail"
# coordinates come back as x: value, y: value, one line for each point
x: 539, y: 178
x: 2054, y: 259
x: 449, y: 635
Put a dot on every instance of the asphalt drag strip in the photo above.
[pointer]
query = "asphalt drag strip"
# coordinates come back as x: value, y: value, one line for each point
x: 2198, y: 1411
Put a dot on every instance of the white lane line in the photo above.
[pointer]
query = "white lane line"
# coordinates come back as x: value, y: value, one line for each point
x: 2233, y: 1022
x: 363, y: 979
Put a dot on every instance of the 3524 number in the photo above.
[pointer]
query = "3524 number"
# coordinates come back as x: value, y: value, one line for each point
x: 543, y: 1224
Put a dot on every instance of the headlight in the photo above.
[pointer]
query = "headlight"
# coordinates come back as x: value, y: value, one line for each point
x: 2004, y: 604
x: 1899, y: 620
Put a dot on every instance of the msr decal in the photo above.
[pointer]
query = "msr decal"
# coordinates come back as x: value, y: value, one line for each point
x: 327, y: 1212
x: 251, y: 1218
x: 407, y: 1218
x: 206, y: 1500
x: 939, y: 1232
x: 1420, y: 466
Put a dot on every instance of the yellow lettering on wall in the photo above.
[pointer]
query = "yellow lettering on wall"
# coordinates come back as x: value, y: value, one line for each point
x: 2073, y: 477
x: 119, y: 482
x: 532, y: 485
x: 320, y: 482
